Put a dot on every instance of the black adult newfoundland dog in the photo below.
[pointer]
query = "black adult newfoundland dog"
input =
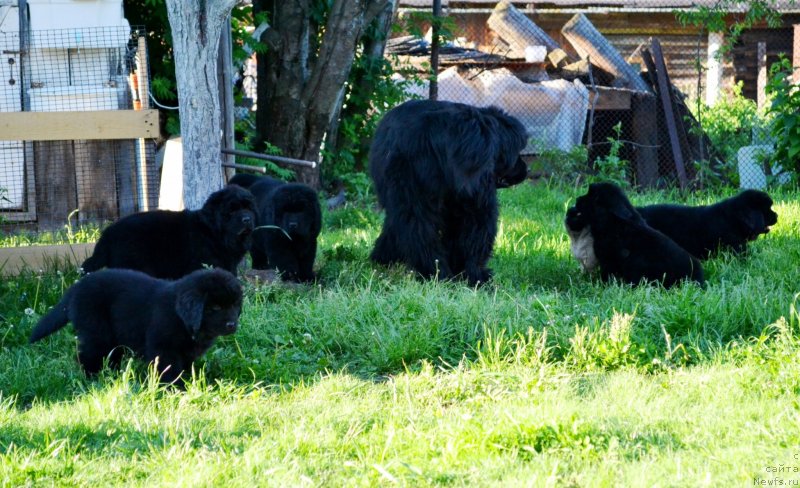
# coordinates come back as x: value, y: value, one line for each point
x: 436, y: 168
x: 170, y: 245
x: 726, y: 225
x: 174, y: 321
x: 625, y: 247
x: 289, y: 222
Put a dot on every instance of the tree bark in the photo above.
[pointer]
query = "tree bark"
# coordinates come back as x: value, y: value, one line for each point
x: 196, y: 28
x: 299, y: 87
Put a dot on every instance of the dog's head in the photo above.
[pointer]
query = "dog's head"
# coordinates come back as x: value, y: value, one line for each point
x: 752, y: 211
x: 231, y: 212
x: 576, y: 220
x: 509, y: 168
x: 295, y: 209
x: 605, y: 201
x: 209, y: 302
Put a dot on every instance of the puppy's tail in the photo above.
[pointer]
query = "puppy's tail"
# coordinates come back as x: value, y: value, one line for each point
x: 55, y: 319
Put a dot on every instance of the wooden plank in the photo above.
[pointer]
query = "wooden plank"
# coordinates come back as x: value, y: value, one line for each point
x: 15, y: 259
x: 669, y: 114
x: 56, y: 190
x: 69, y: 126
x: 96, y: 181
x: 605, y: 98
x: 644, y: 132
x: 796, y: 53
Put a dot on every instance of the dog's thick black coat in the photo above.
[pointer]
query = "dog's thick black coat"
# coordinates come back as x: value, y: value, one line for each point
x: 726, y: 225
x: 625, y: 246
x: 245, y: 180
x: 289, y: 222
x: 169, y: 245
x: 174, y: 321
x: 436, y: 167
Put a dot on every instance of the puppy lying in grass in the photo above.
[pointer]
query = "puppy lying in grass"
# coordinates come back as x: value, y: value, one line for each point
x: 621, y: 243
x: 726, y: 225
x: 174, y: 322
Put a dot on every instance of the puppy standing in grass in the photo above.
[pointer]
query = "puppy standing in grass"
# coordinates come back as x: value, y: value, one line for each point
x: 174, y: 322
x: 170, y: 245
x: 289, y: 223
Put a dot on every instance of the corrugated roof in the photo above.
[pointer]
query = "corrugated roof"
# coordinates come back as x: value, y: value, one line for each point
x: 782, y: 5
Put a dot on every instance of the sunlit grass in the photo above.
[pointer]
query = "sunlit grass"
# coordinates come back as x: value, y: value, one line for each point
x: 546, y: 377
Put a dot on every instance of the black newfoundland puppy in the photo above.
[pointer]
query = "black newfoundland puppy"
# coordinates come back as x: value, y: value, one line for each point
x: 726, y: 225
x: 436, y: 168
x: 169, y: 245
x: 174, y: 322
x: 289, y: 222
x: 625, y: 247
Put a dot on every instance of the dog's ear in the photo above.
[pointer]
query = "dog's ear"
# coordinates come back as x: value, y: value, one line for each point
x: 189, y: 305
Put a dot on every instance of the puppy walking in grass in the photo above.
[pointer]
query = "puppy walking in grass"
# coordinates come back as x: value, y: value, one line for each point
x: 174, y: 322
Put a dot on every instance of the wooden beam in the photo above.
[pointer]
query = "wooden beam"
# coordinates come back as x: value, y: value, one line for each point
x: 796, y: 53
x: 590, y: 43
x: 761, y: 81
x: 517, y: 30
x: 606, y: 98
x: 68, y: 126
x: 644, y: 132
x: 665, y: 93
x: 15, y: 259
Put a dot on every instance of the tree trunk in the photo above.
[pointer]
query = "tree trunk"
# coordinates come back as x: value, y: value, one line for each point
x: 364, y: 82
x: 299, y: 87
x: 196, y: 28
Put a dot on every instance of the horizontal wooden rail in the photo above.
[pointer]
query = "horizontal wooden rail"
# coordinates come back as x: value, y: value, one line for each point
x: 68, y: 126
x: 14, y: 259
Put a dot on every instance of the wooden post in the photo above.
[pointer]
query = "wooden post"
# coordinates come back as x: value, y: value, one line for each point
x: 513, y: 27
x: 761, y: 81
x: 143, y: 176
x: 796, y: 54
x: 225, y: 74
x: 714, y: 73
x: 433, y: 83
x: 588, y: 42
x: 644, y: 131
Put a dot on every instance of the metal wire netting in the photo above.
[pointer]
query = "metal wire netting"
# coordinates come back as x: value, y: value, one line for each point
x: 80, y: 71
x: 619, y: 89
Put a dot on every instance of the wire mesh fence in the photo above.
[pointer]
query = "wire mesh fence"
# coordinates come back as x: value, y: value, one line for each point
x: 618, y: 88
x: 67, y: 81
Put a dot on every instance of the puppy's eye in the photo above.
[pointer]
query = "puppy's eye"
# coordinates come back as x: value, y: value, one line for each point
x: 216, y: 307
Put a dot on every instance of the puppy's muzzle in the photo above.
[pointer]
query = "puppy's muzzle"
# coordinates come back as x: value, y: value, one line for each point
x: 230, y: 327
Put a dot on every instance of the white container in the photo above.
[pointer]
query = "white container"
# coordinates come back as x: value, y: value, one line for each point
x: 70, y: 14
x: 74, y: 98
x: 751, y: 173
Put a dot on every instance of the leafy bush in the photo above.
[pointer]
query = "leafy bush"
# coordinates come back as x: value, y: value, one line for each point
x: 785, y: 112
x: 730, y: 123
x: 612, y: 167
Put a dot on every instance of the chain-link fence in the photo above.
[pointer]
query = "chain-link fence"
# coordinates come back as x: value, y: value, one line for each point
x: 73, y: 102
x: 619, y: 88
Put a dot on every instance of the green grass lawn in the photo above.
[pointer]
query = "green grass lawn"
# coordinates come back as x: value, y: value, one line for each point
x: 546, y: 377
